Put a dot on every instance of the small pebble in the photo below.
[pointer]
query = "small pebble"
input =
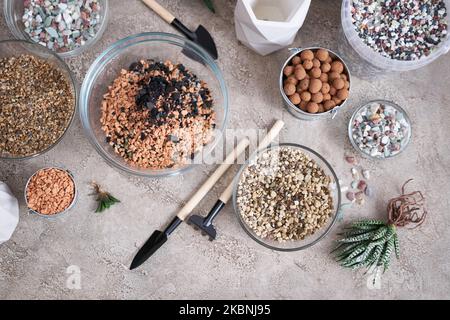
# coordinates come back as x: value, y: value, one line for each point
x: 369, y: 191
x: 351, y: 159
x: 350, y: 196
x: 362, y: 185
x: 355, y: 174
x: 359, y: 196
x: 366, y: 174
x: 354, y: 184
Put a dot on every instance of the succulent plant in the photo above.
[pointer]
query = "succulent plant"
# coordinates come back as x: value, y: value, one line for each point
x: 370, y: 243
x: 367, y: 243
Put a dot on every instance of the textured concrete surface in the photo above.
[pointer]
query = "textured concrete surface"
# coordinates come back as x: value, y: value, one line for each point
x: 34, y: 262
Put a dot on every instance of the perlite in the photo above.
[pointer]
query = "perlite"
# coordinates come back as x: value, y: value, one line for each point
x: 284, y: 195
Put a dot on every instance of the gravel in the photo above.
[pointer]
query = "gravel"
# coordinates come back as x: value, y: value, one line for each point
x: 401, y: 29
x: 61, y: 25
x: 284, y: 195
x: 37, y: 103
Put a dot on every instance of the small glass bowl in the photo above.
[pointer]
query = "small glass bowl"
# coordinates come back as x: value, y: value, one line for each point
x: 160, y: 47
x: 14, y: 9
x: 13, y: 48
x: 399, y: 109
x: 312, y: 239
x: 51, y: 216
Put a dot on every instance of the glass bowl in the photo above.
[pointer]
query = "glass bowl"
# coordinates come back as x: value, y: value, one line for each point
x: 309, y: 240
x: 399, y: 109
x: 160, y: 47
x: 14, y: 9
x: 12, y: 48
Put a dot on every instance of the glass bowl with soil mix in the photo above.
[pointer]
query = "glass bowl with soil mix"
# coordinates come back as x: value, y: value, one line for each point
x: 38, y: 96
x: 65, y: 27
x: 287, y: 197
x: 154, y: 104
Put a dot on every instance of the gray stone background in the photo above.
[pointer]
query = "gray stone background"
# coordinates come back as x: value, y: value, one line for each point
x: 33, y: 263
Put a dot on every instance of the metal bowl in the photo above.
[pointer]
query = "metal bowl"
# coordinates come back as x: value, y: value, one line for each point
x: 50, y: 216
x: 296, y: 111
x: 366, y: 105
x: 312, y: 239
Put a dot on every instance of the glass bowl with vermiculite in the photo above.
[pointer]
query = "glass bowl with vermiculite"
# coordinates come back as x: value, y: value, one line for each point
x: 286, y: 197
x: 380, y: 129
x: 154, y: 104
x: 65, y: 27
x: 38, y: 98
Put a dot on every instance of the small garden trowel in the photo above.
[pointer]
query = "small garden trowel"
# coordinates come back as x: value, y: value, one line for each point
x: 200, y: 36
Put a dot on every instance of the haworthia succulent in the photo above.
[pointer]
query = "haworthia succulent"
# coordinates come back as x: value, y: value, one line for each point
x: 364, y: 236
x: 366, y: 244
x: 386, y: 256
x: 380, y: 233
x: 396, y: 246
x: 368, y: 223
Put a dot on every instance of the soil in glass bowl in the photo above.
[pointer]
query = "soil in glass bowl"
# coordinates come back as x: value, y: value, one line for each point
x: 157, y: 115
x: 123, y: 56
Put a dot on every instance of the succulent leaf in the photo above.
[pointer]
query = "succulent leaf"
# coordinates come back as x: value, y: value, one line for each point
x: 396, y: 246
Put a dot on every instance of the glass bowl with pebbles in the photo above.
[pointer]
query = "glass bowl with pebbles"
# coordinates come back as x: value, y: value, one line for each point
x: 379, y: 129
x: 38, y: 98
x: 154, y: 104
x: 67, y: 27
x: 314, y: 83
x: 393, y: 35
x: 50, y: 192
x: 287, y: 197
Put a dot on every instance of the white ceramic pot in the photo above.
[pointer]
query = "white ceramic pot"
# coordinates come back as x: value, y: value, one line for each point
x: 9, y: 212
x: 266, y: 26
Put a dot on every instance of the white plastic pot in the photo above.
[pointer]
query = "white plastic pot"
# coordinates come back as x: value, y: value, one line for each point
x: 266, y: 26
x: 9, y: 213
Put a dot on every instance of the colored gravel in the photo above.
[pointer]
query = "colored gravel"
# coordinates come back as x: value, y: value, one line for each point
x: 401, y: 29
x: 61, y: 25
x: 380, y: 130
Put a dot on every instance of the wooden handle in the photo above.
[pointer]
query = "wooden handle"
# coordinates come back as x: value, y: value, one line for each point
x: 226, y: 195
x: 271, y: 135
x: 208, y: 184
x: 160, y: 10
